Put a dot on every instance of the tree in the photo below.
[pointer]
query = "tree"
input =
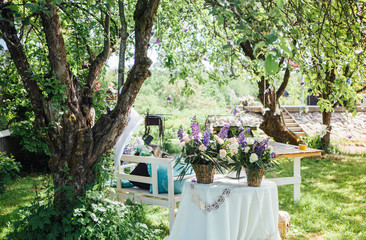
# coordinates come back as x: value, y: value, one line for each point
x: 332, y: 44
x: 257, y: 37
x: 61, y: 79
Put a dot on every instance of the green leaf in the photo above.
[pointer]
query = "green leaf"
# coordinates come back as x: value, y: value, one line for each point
x: 227, y: 47
x: 272, y: 37
x: 271, y: 65
x: 280, y: 3
x: 25, y: 21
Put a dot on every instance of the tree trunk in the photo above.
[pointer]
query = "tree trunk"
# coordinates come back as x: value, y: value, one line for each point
x: 75, y: 144
x: 272, y: 123
x: 326, y: 116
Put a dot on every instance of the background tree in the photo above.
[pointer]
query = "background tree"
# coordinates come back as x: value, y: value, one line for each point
x: 69, y: 43
x: 332, y: 44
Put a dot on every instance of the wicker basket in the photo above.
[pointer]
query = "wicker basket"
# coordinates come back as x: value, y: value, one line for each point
x: 254, y: 180
x: 204, y: 173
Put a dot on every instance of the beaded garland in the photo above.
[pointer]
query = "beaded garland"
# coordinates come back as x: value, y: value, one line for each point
x: 206, y: 207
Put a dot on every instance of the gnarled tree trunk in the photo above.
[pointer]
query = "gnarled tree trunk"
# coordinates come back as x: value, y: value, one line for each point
x: 75, y: 143
x: 272, y: 124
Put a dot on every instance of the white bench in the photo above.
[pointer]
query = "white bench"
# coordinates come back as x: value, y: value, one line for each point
x: 136, y: 194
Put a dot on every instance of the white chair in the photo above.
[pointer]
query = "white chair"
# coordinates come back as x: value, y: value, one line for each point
x: 136, y: 194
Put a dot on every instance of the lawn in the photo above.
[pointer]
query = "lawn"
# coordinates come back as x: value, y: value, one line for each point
x: 332, y: 205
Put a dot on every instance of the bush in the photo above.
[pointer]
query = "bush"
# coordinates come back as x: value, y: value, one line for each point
x: 8, y: 170
x: 93, y: 217
x: 317, y: 143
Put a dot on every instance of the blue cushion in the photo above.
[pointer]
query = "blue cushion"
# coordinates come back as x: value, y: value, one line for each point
x: 124, y: 183
x: 163, y: 178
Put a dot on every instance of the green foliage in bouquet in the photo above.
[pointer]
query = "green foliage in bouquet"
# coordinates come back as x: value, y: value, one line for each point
x: 198, y: 149
x: 251, y: 154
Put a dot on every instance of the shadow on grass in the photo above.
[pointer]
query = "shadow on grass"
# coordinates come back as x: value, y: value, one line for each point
x: 21, y: 192
x: 333, y: 200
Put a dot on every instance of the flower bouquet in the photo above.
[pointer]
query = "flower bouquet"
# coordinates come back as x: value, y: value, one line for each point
x: 255, y: 156
x: 200, y: 151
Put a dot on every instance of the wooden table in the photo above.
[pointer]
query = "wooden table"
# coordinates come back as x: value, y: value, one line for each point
x: 292, y: 151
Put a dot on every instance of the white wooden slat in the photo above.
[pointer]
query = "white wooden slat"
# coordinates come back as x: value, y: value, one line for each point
x: 172, y: 204
x: 134, y: 178
x: 154, y: 173
x: 297, y: 174
x: 286, y: 180
x: 144, y: 159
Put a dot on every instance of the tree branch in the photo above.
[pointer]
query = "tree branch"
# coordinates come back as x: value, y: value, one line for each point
x: 58, y: 59
x: 123, y: 46
x: 10, y: 36
x: 117, y: 119
x: 284, y: 83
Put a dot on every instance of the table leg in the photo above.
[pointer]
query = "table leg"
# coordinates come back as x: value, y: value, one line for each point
x: 297, y: 174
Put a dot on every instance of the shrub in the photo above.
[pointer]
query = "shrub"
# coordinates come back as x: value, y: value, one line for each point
x: 317, y: 143
x: 93, y: 217
x: 8, y: 170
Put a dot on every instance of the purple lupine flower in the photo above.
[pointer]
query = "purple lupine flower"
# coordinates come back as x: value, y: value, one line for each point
x: 302, y: 83
x: 157, y: 40
x: 204, y: 70
x: 195, y: 129
x: 186, y: 30
x: 349, y: 137
x: 152, y: 33
x: 224, y: 131
x: 241, y: 129
x: 267, y: 91
x: 248, y: 130
x: 171, y: 75
x: 205, y: 59
x: 169, y: 99
x: 273, y: 155
x: 235, y: 112
x: 108, y: 102
x: 206, y: 137
x: 261, y: 146
x: 180, y: 133
x: 241, y: 140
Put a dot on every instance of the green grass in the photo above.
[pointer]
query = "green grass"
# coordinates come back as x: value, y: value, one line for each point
x: 332, y: 205
x: 21, y: 192
x: 333, y: 199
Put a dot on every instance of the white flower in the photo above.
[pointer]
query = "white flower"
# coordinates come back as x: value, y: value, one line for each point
x: 253, y: 158
x: 250, y: 141
x: 246, y: 149
x: 233, y: 140
x: 233, y: 151
x: 182, y: 144
x: 223, y: 153
x: 202, y: 147
x: 186, y: 139
x: 235, y: 145
x: 219, y: 140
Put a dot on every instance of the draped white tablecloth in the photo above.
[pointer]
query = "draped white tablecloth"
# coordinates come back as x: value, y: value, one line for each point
x: 227, y: 210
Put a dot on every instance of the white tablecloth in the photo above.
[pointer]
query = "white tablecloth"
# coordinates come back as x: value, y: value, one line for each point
x: 227, y: 210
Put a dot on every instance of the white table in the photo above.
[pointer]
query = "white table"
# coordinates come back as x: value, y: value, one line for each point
x: 227, y: 210
x: 292, y: 151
